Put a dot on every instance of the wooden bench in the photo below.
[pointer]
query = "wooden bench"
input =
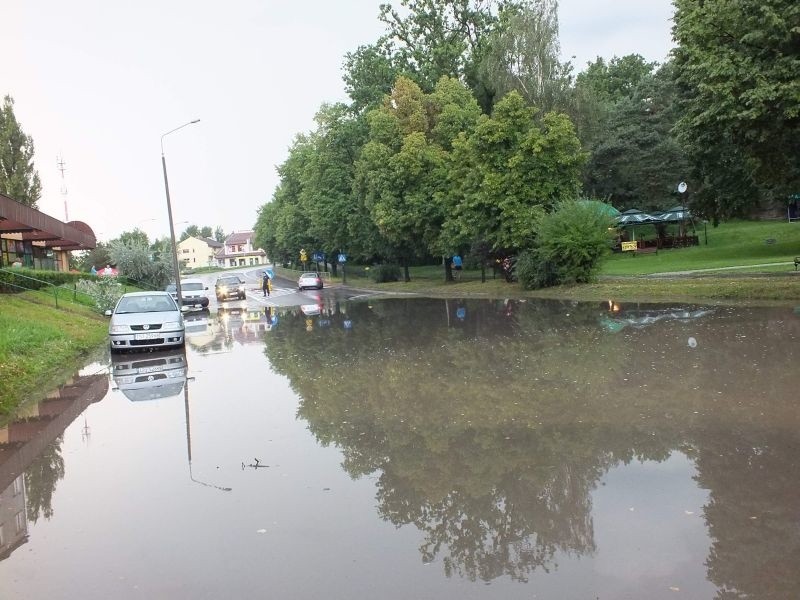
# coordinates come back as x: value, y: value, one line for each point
x: 648, y: 250
x: 796, y: 262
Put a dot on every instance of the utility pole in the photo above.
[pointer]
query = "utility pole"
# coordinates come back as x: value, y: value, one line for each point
x: 63, y: 167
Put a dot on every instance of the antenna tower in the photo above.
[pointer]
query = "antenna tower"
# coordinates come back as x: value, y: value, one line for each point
x: 63, y: 167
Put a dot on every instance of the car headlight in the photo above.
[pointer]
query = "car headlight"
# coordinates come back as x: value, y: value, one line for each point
x: 119, y: 329
x: 171, y: 325
x: 223, y: 288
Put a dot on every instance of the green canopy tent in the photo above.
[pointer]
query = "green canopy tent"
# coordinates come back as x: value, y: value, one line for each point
x: 601, y: 207
x: 633, y: 217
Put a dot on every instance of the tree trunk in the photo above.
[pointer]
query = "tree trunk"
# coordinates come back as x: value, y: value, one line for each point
x: 448, y: 269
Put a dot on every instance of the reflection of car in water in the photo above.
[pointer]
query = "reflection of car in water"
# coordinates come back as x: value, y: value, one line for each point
x: 311, y: 310
x: 150, y: 376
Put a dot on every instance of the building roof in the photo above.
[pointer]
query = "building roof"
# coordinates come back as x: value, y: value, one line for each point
x: 211, y: 242
x: 239, y: 237
x: 39, y: 227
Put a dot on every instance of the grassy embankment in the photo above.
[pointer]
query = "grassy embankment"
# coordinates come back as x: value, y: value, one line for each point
x: 739, y: 244
x: 40, y: 345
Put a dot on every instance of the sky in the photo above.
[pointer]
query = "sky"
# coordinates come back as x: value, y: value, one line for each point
x: 98, y: 83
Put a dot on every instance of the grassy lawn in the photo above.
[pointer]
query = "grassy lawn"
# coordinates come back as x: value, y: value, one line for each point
x: 40, y: 345
x: 731, y: 244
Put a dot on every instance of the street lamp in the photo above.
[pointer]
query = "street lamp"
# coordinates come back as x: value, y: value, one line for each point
x: 169, y: 212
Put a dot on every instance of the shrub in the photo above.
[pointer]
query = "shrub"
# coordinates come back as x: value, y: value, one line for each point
x: 32, y: 279
x: 105, y: 292
x: 570, y: 242
x: 385, y: 273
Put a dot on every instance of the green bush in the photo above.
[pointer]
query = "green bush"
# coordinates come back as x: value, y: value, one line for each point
x: 105, y: 292
x: 385, y: 273
x: 30, y: 279
x: 570, y: 241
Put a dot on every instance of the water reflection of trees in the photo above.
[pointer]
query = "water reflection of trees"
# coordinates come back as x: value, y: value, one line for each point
x: 490, y: 432
x: 40, y: 481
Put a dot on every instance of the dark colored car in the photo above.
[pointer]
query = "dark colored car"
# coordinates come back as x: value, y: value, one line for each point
x: 230, y: 286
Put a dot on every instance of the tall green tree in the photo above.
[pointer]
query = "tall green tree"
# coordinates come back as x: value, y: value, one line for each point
x: 508, y: 173
x: 430, y: 39
x: 402, y: 170
x: 195, y: 231
x: 18, y: 177
x: 737, y: 65
x: 638, y: 161
x: 523, y: 54
x: 599, y: 88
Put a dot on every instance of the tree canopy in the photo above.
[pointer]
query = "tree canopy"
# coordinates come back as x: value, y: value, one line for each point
x: 736, y: 66
x: 18, y: 177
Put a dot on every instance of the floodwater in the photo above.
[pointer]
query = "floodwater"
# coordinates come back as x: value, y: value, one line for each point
x: 420, y: 449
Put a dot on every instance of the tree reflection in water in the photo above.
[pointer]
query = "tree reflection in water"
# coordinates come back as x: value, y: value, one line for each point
x: 40, y: 481
x: 491, y: 432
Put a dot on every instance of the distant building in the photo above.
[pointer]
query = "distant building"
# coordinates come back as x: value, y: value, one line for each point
x: 239, y: 251
x: 196, y: 252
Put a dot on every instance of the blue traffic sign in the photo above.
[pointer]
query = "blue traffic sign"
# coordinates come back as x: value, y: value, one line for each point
x: 318, y: 256
x: 342, y: 257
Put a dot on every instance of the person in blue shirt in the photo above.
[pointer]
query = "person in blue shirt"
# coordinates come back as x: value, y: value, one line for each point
x: 457, y: 266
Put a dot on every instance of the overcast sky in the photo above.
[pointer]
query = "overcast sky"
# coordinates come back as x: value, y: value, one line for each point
x: 99, y: 82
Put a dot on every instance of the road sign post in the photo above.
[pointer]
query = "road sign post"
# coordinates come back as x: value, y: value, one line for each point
x: 342, y: 259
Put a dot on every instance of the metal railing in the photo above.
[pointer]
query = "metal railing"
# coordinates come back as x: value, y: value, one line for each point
x: 40, y: 285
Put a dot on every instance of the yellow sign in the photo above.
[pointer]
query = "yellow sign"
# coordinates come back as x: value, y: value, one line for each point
x: 627, y: 246
x: 303, y: 256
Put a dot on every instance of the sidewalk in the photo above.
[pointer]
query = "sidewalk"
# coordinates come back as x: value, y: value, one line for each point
x: 671, y: 273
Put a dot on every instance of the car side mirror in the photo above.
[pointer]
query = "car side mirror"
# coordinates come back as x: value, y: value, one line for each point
x: 205, y: 288
x: 107, y: 313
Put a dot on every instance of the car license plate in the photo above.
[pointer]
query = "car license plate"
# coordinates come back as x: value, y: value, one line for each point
x: 148, y: 336
x: 151, y: 369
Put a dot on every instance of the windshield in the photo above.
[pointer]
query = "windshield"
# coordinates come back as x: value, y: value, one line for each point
x: 228, y: 281
x: 192, y: 287
x: 141, y: 304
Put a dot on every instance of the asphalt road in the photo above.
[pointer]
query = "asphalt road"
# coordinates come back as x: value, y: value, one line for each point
x: 284, y: 291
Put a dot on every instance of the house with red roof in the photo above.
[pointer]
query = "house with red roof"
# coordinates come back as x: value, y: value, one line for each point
x: 238, y: 250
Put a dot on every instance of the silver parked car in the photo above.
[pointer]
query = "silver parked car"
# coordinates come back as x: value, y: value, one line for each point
x: 146, y: 320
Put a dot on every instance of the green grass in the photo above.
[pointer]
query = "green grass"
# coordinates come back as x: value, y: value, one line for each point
x: 731, y: 244
x: 40, y: 345
x: 739, y: 243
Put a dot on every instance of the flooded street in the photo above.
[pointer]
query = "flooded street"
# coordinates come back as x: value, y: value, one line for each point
x: 419, y: 448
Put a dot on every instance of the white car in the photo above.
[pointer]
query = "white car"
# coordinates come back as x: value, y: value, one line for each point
x: 193, y: 292
x: 146, y: 320
x: 309, y: 280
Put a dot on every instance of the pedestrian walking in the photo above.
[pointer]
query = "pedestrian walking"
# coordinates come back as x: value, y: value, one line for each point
x: 265, y: 284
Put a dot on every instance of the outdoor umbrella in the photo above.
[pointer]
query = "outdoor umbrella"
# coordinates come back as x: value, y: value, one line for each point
x: 675, y: 214
x: 633, y: 217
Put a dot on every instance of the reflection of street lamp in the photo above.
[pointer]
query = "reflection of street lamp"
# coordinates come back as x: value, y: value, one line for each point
x: 169, y: 212
x: 189, y: 439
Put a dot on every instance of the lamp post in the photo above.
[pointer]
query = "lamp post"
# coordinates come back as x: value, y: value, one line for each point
x: 175, y: 266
